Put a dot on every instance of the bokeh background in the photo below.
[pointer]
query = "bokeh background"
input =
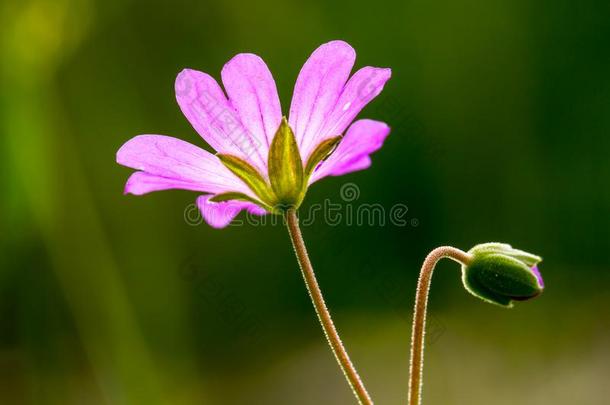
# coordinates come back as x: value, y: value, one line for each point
x: 501, y: 132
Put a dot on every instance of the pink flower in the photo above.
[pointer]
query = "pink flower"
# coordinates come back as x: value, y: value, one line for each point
x: 242, y: 128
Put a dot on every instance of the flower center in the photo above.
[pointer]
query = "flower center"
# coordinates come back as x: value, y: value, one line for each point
x: 288, y: 177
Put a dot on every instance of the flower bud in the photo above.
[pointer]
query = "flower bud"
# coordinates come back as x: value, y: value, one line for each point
x: 500, y: 274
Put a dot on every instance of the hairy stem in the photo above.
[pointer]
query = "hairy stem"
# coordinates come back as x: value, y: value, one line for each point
x: 419, y: 315
x: 323, y: 314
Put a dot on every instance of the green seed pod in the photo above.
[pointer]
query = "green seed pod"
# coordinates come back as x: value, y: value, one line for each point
x: 500, y: 274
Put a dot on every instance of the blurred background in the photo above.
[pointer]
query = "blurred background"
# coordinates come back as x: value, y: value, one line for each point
x: 501, y: 121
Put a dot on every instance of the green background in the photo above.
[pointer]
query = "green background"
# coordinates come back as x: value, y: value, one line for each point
x: 500, y: 116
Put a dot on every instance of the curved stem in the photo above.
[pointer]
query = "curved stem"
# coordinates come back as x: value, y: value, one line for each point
x: 323, y: 314
x: 419, y: 315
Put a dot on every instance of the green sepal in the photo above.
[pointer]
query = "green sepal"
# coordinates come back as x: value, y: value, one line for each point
x: 232, y: 195
x: 248, y: 175
x: 506, y: 249
x: 286, y: 167
x: 529, y: 259
x: 321, y: 152
x: 499, y: 279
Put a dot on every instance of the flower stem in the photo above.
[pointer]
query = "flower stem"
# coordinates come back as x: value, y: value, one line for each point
x: 322, y: 311
x: 419, y: 315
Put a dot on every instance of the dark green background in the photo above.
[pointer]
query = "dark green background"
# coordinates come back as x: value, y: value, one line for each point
x: 500, y: 115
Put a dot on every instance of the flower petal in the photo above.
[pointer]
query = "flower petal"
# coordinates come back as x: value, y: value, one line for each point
x: 318, y: 88
x: 220, y: 214
x: 362, y: 138
x: 205, y: 106
x: 142, y: 183
x: 171, y: 163
x: 538, y: 276
x: 253, y: 93
x: 362, y: 87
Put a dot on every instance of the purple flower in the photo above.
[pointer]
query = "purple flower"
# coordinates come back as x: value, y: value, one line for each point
x: 242, y: 125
